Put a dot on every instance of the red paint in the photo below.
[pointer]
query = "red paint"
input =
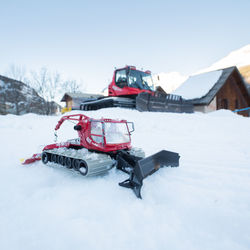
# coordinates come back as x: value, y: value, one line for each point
x: 114, y: 90
x: 85, y: 135
x: 35, y: 157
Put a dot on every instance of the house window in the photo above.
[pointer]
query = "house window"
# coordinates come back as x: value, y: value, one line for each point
x: 236, y: 104
x: 224, y: 103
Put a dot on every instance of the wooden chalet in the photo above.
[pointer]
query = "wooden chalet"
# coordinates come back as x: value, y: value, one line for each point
x: 229, y: 91
x: 73, y: 100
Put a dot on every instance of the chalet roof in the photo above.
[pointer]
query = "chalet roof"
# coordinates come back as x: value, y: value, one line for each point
x: 212, y: 87
x: 79, y: 95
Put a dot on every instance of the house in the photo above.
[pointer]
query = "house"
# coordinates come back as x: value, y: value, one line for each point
x: 220, y: 89
x: 73, y: 100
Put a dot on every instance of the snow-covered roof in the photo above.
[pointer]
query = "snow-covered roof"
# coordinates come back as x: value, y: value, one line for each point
x: 198, y: 86
x: 201, y: 89
x: 77, y: 95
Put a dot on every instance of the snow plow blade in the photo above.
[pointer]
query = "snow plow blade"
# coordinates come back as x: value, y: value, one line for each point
x: 161, y: 102
x: 147, y: 166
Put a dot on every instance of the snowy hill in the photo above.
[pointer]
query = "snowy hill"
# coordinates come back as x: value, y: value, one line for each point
x: 245, y: 72
x: 240, y: 58
x: 169, y: 81
x: 18, y: 98
x: 202, y: 204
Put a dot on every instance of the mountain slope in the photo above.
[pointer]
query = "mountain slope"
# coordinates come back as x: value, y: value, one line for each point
x: 240, y: 58
x: 245, y: 71
x: 169, y: 81
x: 18, y: 98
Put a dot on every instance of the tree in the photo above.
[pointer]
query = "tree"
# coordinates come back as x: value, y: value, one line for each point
x: 39, y: 80
x: 71, y: 86
x: 47, y: 85
x: 17, y: 72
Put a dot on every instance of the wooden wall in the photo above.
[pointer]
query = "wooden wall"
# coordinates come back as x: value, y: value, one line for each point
x: 69, y: 102
x: 232, y: 96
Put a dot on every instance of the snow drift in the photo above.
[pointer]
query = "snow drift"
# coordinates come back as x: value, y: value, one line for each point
x: 203, y: 204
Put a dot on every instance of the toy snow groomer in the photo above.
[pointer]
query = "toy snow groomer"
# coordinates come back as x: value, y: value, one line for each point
x: 101, y: 145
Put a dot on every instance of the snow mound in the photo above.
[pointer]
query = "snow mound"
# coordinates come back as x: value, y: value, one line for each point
x: 202, y: 204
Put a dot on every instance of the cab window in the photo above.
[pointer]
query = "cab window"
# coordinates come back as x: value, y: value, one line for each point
x: 121, y: 78
x: 96, y: 132
x: 116, y: 133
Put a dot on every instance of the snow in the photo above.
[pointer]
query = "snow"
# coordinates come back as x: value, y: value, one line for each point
x: 172, y: 80
x: 239, y: 58
x: 198, y: 86
x: 27, y: 91
x: 202, y: 204
x: 169, y: 81
x: 2, y: 84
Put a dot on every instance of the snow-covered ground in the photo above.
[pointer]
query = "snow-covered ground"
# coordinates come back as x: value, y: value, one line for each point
x: 202, y: 204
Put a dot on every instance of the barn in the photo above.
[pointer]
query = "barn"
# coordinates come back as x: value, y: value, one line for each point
x: 220, y: 89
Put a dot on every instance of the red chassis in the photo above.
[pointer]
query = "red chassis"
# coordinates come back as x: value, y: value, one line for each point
x: 95, y: 134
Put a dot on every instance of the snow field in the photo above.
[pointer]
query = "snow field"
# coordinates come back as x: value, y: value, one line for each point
x: 202, y: 204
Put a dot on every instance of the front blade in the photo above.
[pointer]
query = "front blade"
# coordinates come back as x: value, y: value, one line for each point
x: 147, y: 166
x: 151, y: 164
x: 160, y: 102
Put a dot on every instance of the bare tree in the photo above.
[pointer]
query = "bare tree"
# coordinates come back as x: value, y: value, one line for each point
x: 48, y: 85
x: 41, y: 81
x: 17, y: 72
x: 71, y: 86
x: 54, y: 86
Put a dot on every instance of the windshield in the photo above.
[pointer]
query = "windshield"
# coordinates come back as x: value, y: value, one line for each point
x: 96, y: 131
x: 116, y: 133
x: 141, y: 80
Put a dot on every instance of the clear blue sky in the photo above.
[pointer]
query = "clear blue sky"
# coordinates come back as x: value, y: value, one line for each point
x: 87, y: 39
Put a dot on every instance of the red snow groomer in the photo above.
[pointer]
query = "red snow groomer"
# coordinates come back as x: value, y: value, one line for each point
x: 101, y: 145
x: 133, y: 88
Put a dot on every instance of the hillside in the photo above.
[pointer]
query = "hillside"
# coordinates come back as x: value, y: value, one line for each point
x: 169, y: 81
x: 202, y: 204
x: 245, y: 71
x: 240, y: 58
x: 18, y: 98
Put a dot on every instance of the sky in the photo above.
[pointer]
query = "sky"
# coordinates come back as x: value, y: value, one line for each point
x: 87, y: 39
